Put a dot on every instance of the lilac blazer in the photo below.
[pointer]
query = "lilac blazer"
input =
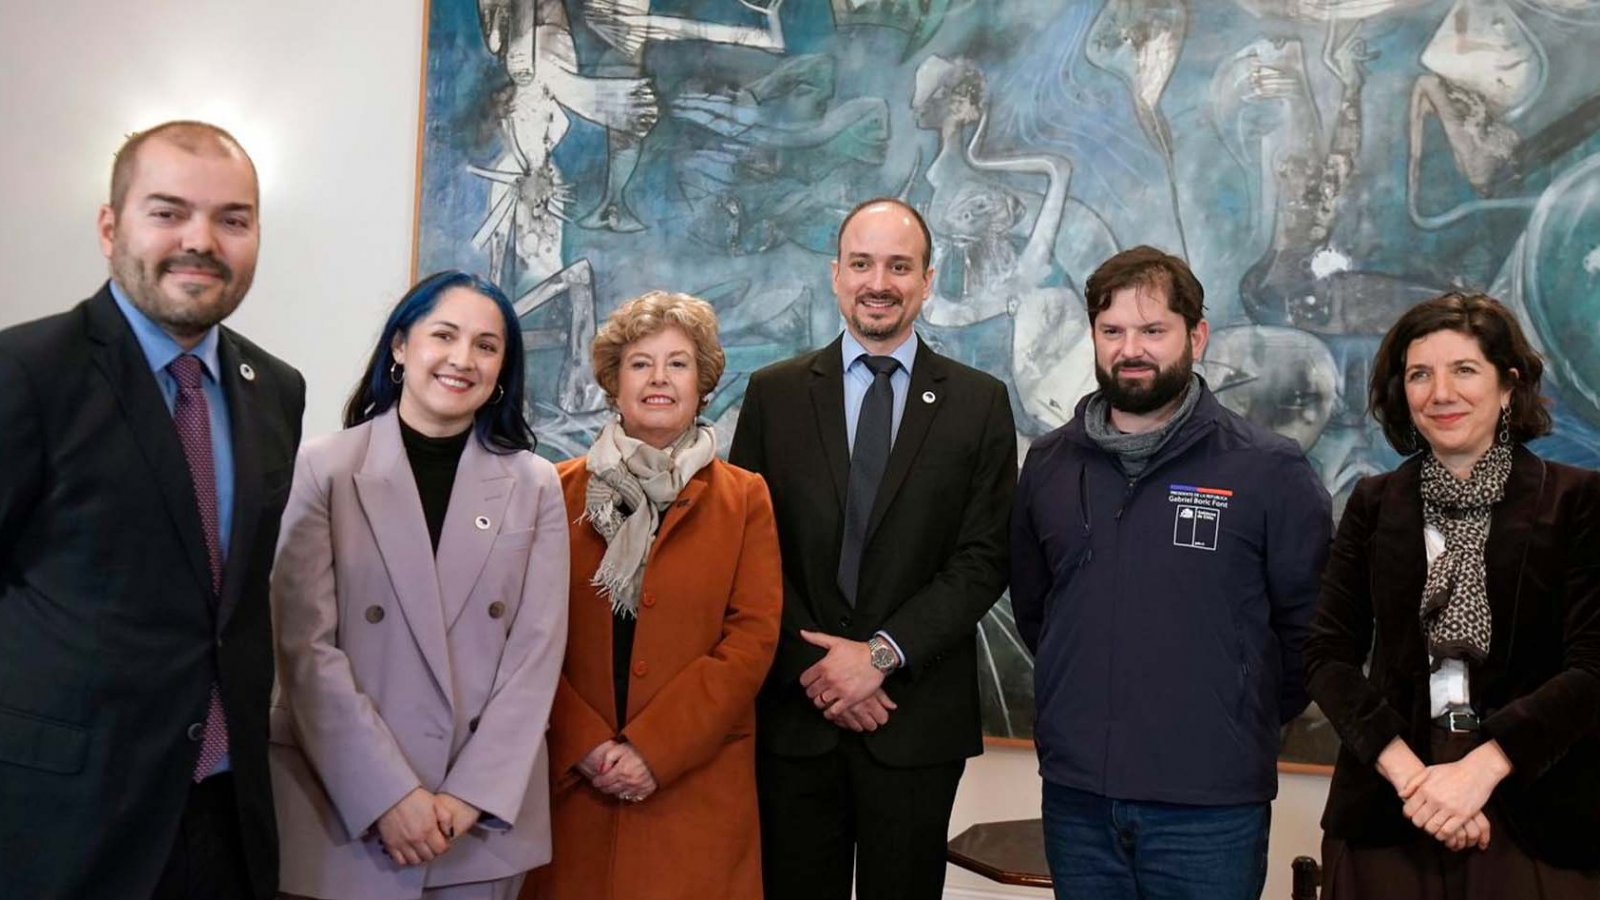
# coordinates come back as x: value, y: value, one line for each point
x: 399, y: 669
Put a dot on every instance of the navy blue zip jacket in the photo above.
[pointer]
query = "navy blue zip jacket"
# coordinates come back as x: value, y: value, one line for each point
x: 1166, y: 613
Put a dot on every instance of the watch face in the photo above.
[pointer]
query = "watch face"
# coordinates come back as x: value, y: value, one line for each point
x: 882, y: 656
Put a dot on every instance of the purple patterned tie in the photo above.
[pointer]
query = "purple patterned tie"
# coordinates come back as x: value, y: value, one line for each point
x: 193, y: 418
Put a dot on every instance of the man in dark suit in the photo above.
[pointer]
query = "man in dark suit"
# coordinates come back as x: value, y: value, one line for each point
x: 146, y: 456
x: 891, y: 470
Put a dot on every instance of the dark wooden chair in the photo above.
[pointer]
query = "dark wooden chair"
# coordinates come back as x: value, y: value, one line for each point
x: 1307, y: 878
x: 1006, y: 852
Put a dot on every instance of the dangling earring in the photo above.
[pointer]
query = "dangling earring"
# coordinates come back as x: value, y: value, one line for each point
x: 1505, y: 425
x: 397, y: 373
x: 1416, y: 440
x: 499, y: 394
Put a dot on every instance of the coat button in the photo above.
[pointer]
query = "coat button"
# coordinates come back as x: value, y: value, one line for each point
x: 473, y: 725
x: 196, y: 731
x: 844, y: 621
x: 497, y: 609
x: 374, y: 614
x: 649, y: 600
x: 640, y: 670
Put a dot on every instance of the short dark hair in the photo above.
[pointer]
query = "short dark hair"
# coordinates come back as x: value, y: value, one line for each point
x: 927, y: 236
x: 1147, y: 267
x: 186, y: 134
x: 1477, y: 316
x: 501, y: 426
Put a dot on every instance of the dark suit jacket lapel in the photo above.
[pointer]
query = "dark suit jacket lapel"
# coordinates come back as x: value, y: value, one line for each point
x: 827, y: 402
x: 244, y: 412
x: 120, y: 359
x: 927, y: 379
x: 1509, y: 527
x: 1400, y: 558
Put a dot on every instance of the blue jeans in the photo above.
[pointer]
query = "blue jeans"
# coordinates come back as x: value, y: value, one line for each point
x: 1103, y: 849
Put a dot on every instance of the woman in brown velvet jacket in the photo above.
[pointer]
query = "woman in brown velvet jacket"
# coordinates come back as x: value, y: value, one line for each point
x: 676, y: 595
x: 1467, y: 582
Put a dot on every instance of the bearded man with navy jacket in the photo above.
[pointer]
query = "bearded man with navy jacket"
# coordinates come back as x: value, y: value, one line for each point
x: 1164, y: 567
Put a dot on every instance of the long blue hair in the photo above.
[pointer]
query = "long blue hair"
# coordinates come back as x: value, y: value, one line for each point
x: 501, y: 425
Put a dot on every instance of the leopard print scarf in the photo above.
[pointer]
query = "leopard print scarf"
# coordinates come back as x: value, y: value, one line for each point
x: 1455, y: 603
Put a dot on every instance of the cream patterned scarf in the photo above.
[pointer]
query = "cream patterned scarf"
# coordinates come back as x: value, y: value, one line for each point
x: 630, y: 484
x: 1455, y: 601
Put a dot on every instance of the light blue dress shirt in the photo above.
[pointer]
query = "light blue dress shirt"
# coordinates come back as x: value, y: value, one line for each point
x: 857, y: 379
x: 159, y: 351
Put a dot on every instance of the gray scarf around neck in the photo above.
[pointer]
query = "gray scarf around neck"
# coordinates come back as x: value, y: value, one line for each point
x: 631, y: 484
x: 1135, y: 450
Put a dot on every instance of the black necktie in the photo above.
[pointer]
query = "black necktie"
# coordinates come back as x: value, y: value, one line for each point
x: 868, y: 459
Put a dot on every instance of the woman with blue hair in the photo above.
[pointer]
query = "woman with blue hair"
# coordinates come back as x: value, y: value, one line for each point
x: 419, y: 597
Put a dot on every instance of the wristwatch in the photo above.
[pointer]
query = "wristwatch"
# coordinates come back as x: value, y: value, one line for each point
x: 884, y: 659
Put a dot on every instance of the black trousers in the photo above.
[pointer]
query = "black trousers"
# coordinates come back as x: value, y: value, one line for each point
x: 207, y: 858
x: 823, y: 815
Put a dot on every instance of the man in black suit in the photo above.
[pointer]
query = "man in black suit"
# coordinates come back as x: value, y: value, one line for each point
x: 146, y: 459
x: 891, y: 470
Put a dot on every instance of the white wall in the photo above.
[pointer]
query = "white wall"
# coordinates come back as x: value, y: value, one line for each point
x: 325, y: 97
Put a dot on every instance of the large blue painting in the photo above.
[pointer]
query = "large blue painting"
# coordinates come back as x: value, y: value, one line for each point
x: 1322, y: 164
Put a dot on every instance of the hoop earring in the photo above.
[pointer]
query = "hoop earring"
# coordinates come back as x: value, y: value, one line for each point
x: 1505, y: 425
x: 499, y: 394
x: 397, y: 373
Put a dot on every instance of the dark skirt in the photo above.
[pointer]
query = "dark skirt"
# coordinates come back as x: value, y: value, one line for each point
x: 1425, y: 870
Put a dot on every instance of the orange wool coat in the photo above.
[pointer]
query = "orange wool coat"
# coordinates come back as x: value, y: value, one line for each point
x: 708, y: 627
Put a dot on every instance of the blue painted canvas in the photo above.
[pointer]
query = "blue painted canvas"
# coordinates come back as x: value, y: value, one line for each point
x: 1323, y: 164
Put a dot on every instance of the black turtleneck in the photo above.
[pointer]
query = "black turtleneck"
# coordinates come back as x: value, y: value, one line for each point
x: 433, y: 465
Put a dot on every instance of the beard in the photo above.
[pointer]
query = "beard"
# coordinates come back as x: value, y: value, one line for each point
x: 189, y: 311
x: 1139, y: 398
x: 883, y: 329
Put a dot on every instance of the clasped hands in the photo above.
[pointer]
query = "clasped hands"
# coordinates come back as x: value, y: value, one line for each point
x: 421, y: 827
x: 1446, y: 800
x: 845, y: 685
x: 616, y: 768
